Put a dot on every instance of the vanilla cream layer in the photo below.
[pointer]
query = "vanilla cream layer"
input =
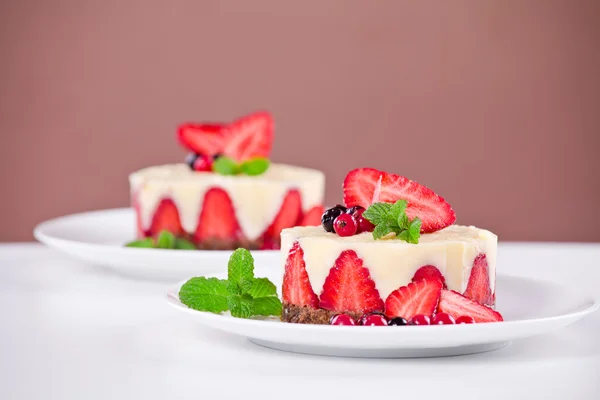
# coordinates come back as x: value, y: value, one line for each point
x: 256, y: 199
x: 393, y: 262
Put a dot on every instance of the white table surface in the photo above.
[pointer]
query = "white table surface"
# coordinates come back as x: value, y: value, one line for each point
x: 74, y: 331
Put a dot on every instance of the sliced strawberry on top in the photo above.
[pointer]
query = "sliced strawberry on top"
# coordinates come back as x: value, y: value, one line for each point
x: 417, y: 298
x: 365, y: 186
x: 478, y: 287
x: 429, y: 272
x: 288, y: 215
x: 457, y: 305
x: 206, y: 139
x: 250, y: 136
x: 217, y: 220
x: 312, y: 217
x: 166, y: 218
x: 296, y: 288
x: 349, y: 287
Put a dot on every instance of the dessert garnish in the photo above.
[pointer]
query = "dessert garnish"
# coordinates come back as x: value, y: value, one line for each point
x: 164, y: 240
x: 241, y: 293
x: 391, y: 218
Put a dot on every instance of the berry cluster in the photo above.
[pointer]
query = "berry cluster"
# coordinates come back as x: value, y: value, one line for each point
x: 201, y: 162
x: 346, y: 221
x: 377, y: 319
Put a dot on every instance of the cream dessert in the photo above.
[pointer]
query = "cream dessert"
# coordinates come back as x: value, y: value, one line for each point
x: 392, y: 255
x: 228, y: 194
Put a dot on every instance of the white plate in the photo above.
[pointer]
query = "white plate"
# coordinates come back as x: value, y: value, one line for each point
x: 529, y: 307
x: 98, y: 237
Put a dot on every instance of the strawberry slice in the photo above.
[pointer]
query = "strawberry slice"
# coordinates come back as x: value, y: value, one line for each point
x: 205, y: 139
x: 349, y: 287
x: 166, y: 218
x: 250, y: 136
x: 289, y: 213
x: 312, y: 217
x: 217, y: 220
x: 418, y: 298
x: 429, y: 272
x: 365, y: 186
x: 296, y: 287
x: 478, y: 287
x: 457, y: 305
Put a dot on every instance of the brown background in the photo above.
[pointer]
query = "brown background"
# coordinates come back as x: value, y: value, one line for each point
x: 493, y: 104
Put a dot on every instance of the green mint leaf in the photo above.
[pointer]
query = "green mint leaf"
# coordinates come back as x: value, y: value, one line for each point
x: 381, y: 230
x: 404, y: 236
x: 240, y: 305
x: 233, y: 288
x: 255, y: 166
x: 204, y: 294
x: 398, y: 208
x: 378, y: 213
x: 166, y: 240
x: 183, y: 244
x: 262, y: 287
x: 146, y: 243
x: 226, y: 166
x: 403, y: 222
x: 414, y: 231
x: 266, y: 306
x: 240, y: 267
x: 246, y: 285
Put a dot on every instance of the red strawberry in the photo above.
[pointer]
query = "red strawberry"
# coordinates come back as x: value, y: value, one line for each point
x: 478, y: 288
x: 312, y: 217
x: 289, y: 213
x: 206, y: 139
x: 217, y: 219
x: 429, y: 272
x: 418, y: 298
x: 166, y: 218
x: 296, y: 285
x: 457, y: 305
x: 250, y: 136
x: 349, y: 287
x: 366, y: 186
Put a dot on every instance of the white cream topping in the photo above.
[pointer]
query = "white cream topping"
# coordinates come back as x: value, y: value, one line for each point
x: 256, y: 199
x: 393, y: 262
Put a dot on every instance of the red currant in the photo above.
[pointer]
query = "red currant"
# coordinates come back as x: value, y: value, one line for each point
x: 342, y: 319
x: 442, y: 319
x: 364, y: 225
x: 373, y: 320
x: 345, y: 225
x: 465, y: 319
x: 419, y: 319
x: 203, y: 163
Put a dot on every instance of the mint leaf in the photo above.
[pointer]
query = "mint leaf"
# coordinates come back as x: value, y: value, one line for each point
x: 381, y: 230
x: 255, y: 166
x: 262, y: 287
x: 226, y: 166
x: 266, y: 306
x: 403, y: 222
x: 183, y: 244
x: 378, y: 213
x: 240, y: 267
x: 240, y: 305
x: 246, y: 285
x: 146, y: 243
x: 403, y: 235
x: 166, y: 240
x: 398, y: 208
x: 414, y: 231
x: 204, y: 294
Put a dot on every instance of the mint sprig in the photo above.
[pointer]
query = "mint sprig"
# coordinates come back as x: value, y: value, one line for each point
x: 165, y: 240
x: 228, y: 166
x: 241, y: 293
x: 389, y: 218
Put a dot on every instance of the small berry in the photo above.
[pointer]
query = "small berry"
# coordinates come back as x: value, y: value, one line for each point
x: 345, y: 225
x: 419, y: 319
x: 330, y: 215
x: 373, y: 320
x: 398, y: 321
x: 442, y: 319
x: 190, y: 159
x: 364, y: 225
x: 203, y: 163
x: 352, y: 210
x: 342, y: 319
x: 465, y: 319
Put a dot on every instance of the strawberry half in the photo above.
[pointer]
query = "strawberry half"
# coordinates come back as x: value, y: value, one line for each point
x: 217, y: 220
x: 205, y: 139
x: 289, y: 214
x: 166, y: 218
x: 457, y: 305
x: 250, y: 136
x: 429, y: 272
x: 349, y: 287
x: 417, y: 298
x: 478, y: 287
x: 312, y: 217
x: 365, y: 186
x: 296, y: 288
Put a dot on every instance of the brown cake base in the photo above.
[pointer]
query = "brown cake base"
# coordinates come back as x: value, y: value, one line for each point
x: 305, y: 315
